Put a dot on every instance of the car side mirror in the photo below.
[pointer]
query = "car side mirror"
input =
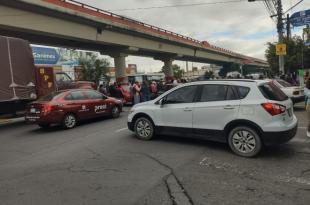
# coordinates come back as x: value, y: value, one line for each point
x: 104, y: 97
x: 162, y: 101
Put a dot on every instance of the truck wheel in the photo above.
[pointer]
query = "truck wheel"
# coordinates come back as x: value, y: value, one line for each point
x: 244, y: 141
x: 44, y: 126
x: 69, y: 121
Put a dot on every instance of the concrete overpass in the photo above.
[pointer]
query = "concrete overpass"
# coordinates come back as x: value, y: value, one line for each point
x: 68, y: 23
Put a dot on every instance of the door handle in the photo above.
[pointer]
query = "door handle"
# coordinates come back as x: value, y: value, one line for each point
x: 229, y: 107
x: 187, y: 109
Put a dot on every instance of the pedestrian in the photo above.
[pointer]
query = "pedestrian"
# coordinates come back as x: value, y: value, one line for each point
x: 307, y: 93
x: 136, y: 92
x: 145, y: 92
x: 153, y: 89
x: 119, y: 92
x: 102, y: 89
x: 112, y: 89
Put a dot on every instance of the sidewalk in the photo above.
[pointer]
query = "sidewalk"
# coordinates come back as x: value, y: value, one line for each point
x: 5, y: 121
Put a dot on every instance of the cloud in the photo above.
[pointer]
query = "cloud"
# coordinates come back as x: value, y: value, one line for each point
x: 241, y: 27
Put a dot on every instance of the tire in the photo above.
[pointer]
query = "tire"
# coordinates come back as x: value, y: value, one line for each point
x: 115, y: 112
x: 244, y: 141
x: 69, y: 121
x: 144, y: 129
x: 44, y: 126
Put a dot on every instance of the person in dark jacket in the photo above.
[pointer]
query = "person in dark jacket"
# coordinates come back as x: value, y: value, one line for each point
x: 145, y: 92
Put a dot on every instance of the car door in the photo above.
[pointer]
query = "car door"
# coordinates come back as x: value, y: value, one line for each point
x: 176, y: 112
x: 98, y: 103
x: 217, y: 105
x: 78, y: 103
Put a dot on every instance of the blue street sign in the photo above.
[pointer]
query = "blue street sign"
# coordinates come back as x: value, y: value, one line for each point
x: 307, y: 44
x: 45, y: 56
x: 301, y: 18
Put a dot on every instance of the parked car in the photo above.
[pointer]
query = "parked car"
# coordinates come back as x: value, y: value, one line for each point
x: 246, y: 114
x: 69, y: 107
x: 296, y: 93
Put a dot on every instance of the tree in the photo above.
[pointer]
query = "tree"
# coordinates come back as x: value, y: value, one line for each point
x: 293, y: 59
x: 177, y: 71
x: 93, y: 68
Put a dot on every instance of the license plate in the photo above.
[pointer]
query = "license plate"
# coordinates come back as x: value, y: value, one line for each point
x: 32, y: 110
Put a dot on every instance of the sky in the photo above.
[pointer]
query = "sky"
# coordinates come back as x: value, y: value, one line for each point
x: 243, y: 27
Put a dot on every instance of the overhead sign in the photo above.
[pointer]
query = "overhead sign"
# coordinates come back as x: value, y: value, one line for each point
x: 300, y: 18
x: 45, y: 56
x: 281, y: 49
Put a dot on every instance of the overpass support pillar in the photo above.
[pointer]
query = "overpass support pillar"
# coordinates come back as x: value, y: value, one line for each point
x: 120, y: 67
x: 168, y: 68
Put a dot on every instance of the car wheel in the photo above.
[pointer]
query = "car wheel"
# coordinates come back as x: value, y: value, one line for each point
x: 116, y: 112
x: 244, y: 141
x: 144, y: 129
x: 44, y: 126
x: 69, y: 121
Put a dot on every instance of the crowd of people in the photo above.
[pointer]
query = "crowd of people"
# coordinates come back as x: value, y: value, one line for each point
x: 138, y: 92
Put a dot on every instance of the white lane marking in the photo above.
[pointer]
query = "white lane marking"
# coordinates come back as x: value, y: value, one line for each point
x: 120, y: 130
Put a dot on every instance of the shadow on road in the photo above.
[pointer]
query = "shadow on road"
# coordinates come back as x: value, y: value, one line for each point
x: 284, y: 151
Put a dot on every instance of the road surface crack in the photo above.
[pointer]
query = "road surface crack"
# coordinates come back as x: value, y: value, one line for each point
x: 172, y: 182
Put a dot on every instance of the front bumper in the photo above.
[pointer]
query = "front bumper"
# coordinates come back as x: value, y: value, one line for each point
x: 274, y: 138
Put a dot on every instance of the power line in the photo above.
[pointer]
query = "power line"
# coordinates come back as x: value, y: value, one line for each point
x: 180, y: 5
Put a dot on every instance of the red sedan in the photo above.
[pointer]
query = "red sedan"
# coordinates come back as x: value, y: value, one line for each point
x: 69, y: 107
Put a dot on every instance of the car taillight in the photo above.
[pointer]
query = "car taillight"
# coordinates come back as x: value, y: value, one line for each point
x: 273, y: 108
x: 47, y: 108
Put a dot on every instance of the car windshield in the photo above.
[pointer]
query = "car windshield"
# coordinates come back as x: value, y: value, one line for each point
x: 49, y: 97
x: 284, y: 83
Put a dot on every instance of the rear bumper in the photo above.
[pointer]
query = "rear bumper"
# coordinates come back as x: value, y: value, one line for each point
x: 298, y: 99
x: 52, y: 118
x: 274, y: 138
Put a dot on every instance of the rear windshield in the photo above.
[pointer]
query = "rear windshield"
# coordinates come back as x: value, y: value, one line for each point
x: 272, y: 92
x: 49, y: 97
x: 284, y: 83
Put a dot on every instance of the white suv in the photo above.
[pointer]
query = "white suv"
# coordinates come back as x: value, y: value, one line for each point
x: 246, y: 114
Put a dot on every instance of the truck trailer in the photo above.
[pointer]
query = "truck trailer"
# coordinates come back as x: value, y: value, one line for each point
x: 21, y: 81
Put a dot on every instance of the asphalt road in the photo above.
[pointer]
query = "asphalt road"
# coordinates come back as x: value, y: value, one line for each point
x: 101, y: 162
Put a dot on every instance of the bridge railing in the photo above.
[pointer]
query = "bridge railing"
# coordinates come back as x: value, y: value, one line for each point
x: 111, y: 14
x: 91, y: 10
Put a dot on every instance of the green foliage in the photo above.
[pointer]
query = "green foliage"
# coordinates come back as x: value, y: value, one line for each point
x: 293, y: 59
x: 93, y: 68
x: 177, y: 71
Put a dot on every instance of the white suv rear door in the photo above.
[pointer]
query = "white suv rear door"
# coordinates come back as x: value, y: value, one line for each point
x: 217, y: 106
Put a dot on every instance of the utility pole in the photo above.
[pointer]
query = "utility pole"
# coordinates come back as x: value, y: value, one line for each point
x: 280, y: 33
x: 288, y: 27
